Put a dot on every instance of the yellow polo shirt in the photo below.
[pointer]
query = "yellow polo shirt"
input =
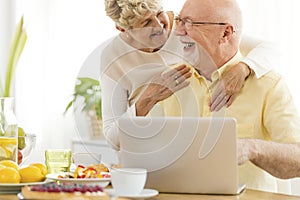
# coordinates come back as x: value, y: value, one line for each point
x: 264, y: 109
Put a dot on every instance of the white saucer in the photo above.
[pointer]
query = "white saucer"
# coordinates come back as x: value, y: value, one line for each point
x: 146, y: 193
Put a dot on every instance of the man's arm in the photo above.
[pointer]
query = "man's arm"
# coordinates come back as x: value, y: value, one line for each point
x: 279, y: 159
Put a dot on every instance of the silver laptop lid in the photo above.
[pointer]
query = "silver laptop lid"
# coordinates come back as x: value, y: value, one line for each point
x: 182, y: 155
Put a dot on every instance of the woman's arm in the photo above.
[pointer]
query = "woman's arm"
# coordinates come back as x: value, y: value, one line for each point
x: 260, y: 56
x: 114, y: 105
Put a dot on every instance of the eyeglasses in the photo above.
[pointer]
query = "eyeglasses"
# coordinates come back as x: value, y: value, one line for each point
x: 188, y: 23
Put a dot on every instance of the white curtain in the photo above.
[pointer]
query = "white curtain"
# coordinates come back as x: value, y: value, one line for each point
x: 7, y: 19
x: 62, y: 34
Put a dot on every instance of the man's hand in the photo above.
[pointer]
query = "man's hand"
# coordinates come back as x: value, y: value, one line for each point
x: 230, y: 85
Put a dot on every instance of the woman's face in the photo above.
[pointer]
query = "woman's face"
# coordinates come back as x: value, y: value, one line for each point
x: 151, y: 31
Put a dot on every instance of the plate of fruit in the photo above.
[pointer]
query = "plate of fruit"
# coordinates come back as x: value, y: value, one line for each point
x: 96, y: 174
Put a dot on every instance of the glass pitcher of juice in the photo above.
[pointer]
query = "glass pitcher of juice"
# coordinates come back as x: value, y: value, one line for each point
x: 8, y: 130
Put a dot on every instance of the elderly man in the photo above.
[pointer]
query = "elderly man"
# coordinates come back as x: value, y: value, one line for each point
x: 264, y: 109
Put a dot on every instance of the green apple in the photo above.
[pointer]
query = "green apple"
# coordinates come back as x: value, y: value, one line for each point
x: 21, y: 140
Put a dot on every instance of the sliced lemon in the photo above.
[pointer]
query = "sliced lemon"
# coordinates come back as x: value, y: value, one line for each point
x: 4, y: 142
x: 2, y: 152
x: 5, y: 151
x: 8, y: 141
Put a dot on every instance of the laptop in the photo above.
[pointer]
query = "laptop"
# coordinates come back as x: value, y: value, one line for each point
x: 182, y: 155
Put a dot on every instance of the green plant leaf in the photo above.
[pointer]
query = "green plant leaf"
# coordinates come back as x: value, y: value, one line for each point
x: 1, y: 89
x: 17, y: 46
x: 68, y: 107
x: 90, y: 90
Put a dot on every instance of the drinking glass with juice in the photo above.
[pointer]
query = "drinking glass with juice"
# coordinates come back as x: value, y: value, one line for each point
x: 58, y: 160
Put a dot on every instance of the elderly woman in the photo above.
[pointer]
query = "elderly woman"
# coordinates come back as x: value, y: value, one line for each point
x: 135, y: 65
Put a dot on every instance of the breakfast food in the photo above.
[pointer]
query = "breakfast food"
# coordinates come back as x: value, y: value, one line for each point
x: 91, y: 171
x: 74, y: 191
x: 100, y: 167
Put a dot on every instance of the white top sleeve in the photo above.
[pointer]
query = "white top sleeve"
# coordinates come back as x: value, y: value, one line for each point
x: 260, y: 56
x: 114, y: 106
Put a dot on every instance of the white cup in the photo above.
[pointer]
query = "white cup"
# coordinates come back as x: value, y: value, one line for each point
x: 128, y: 181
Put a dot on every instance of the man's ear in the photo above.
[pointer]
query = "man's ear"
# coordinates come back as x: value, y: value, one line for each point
x: 227, y: 34
x: 120, y: 28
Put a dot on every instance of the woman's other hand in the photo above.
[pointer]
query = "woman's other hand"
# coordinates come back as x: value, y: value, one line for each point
x: 230, y: 85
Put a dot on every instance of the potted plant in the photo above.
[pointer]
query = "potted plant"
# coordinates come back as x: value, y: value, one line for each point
x: 87, y: 95
x: 16, y: 49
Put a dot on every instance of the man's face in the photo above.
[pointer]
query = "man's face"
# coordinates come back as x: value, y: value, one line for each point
x: 205, y: 35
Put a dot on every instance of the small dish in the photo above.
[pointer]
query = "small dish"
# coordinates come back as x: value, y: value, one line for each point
x: 146, y: 193
x: 14, y: 188
x: 103, y: 182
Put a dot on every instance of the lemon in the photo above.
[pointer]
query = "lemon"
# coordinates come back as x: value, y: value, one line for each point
x: 31, y: 174
x: 9, y: 163
x: 2, y: 166
x: 41, y: 167
x: 9, y: 175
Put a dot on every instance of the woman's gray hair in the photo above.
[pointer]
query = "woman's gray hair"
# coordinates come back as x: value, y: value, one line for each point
x: 125, y: 13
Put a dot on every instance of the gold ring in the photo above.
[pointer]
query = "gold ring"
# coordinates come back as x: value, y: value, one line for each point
x: 176, y: 81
